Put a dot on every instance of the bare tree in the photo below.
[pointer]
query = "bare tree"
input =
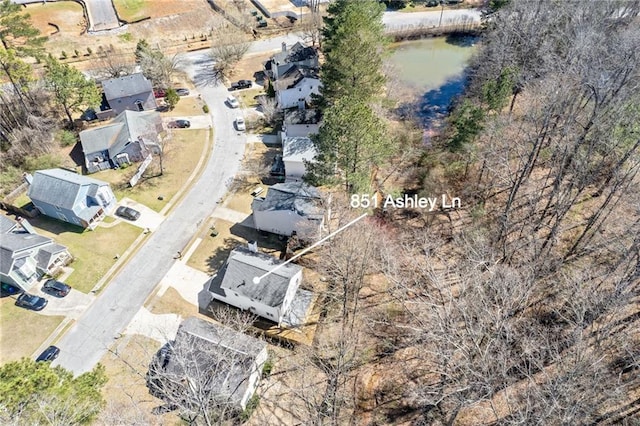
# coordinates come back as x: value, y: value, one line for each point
x: 229, y: 44
x: 112, y: 63
x: 311, y: 24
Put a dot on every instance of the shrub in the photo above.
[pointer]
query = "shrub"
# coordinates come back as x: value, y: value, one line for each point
x: 267, y: 367
x: 89, y: 51
x: 252, y: 404
x: 67, y: 138
x: 205, y: 108
x: 63, y: 55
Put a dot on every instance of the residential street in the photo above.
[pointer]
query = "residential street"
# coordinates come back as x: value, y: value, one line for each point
x: 95, y: 331
x: 116, y: 305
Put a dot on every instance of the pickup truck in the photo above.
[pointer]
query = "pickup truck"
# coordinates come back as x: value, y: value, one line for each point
x: 242, y: 84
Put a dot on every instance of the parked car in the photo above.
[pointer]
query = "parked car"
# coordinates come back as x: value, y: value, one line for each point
x: 183, y: 124
x: 262, y: 24
x: 182, y: 91
x: 56, y: 288
x: 127, y: 213
x: 159, y: 93
x: 240, y: 126
x: 31, y: 301
x: 241, y: 84
x: 49, y: 354
x: 232, y: 101
x: 9, y: 290
x: 277, y: 168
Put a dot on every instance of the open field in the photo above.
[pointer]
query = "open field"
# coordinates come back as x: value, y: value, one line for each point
x: 68, y: 16
x: 130, y: 10
x: 181, y: 154
x: 94, y: 251
x: 21, y: 330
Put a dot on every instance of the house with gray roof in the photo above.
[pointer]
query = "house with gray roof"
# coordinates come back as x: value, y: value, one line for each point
x: 70, y: 197
x: 126, y: 139
x: 220, y: 364
x: 296, y: 86
x: 26, y: 256
x: 296, y: 153
x: 288, y: 208
x: 299, y: 54
x: 271, y: 298
x: 300, y: 122
x: 130, y: 92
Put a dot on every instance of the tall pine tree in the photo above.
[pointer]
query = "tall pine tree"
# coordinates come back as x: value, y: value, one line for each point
x: 352, y: 141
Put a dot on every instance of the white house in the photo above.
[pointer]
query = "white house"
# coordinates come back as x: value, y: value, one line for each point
x: 233, y: 362
x: 300, y: 122
x: 297, y: 85
x: 271, y: 298
x: 295, y: 151
x: 287, y: 208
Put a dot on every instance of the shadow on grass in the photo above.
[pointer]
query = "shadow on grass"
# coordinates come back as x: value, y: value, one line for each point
x: 54, y: 226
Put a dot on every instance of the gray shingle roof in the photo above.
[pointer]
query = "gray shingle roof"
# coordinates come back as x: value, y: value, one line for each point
x: 60, y: 187
x: 6, y: 224
x: 295, y: 196
x: 296, y: 53
x: 243, y: 265
x: 126, y: 127
x: 129, y: 85
x: 302, y: 116
x: 298, y: 149
x: 293, y: 76
x: 12, y: 244
x: 224, y: 355
x: 43, y: 258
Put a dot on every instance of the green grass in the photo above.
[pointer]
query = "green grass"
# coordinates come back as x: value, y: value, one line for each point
x: 246, y: 97
x: 22, y: 331
x: 94, y: 251
x: 181, y: 155
x: 130, y: 10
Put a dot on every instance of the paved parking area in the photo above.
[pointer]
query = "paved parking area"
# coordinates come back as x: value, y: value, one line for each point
x: 149, y: 219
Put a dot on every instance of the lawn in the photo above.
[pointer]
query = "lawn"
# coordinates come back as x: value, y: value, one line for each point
x: 131, y: 10
x: 247, y: 97
x: 67, y: 15
x: 94, y: 251
x: 186, y: 106
x: 22, y: 331
x: 181, y: 155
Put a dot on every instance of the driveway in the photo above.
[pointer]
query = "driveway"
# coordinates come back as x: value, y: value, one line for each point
x: 89, y: 339
x: 102, y: 15
x: 197, y: 121
x: 149, y: 219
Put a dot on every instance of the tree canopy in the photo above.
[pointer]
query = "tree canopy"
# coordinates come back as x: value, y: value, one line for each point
x: 35, y: 393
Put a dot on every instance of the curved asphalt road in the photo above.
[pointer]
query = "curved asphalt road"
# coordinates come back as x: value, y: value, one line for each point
x: 82, y: 347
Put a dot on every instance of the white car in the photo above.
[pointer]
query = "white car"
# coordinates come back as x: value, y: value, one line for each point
x: 240, y: 123
x: 232, y: 102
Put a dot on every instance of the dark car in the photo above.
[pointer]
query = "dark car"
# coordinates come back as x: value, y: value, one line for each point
x: 56, y: 288
x: 241, y: 84
x: 128, y: 213
x: 8, y: 290
x: 262, y: 24
x: 32, y: 302
x: 183, y: 124
x: 277, y: 168
x: 182, y: 91
x: 49, y: 354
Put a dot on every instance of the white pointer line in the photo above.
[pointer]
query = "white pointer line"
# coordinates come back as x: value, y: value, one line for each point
x: 256, y: 280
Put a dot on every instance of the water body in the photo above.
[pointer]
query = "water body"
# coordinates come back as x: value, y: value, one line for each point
x: 433, y: 69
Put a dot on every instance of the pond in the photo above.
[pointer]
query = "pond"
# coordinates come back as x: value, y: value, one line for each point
x: 433, y: 69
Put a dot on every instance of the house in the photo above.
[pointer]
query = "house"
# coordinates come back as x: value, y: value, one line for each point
x: 296, y: 86
x: 295, y: 152
x: 70, y: 197
x: 288, y: 208
x: 300, y: 122
x: 215, y: 361
x: 271, y: 298
x: 127, y: 138
x: 283, y: 61
x: 130, y: 92
x: 26, y: 256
